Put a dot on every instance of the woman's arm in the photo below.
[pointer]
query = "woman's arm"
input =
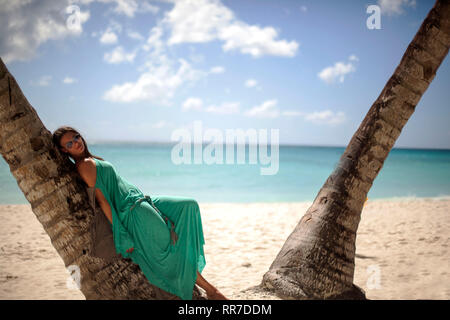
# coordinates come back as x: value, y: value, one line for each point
x: 88, y: 173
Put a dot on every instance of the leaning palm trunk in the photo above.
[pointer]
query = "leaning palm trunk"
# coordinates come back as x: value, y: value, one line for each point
x: 59, y: 200
x: 317, y: 260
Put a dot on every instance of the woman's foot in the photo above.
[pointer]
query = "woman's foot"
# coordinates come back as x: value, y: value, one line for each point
x: 211, y: 292
x: 216, y: 295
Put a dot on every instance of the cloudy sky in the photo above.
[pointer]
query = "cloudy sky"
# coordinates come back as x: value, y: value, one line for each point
x: 138, y: 70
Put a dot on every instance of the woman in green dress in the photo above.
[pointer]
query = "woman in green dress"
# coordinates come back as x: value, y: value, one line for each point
x: 171, y: 254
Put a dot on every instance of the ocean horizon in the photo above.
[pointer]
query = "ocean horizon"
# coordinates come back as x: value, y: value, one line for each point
x: 302, y: 171
x: 171, y: 143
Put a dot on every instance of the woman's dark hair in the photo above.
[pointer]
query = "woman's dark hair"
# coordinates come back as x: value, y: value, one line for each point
x: 58, y: 134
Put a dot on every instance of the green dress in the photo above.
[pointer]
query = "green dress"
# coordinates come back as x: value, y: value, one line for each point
x: 136, y: 224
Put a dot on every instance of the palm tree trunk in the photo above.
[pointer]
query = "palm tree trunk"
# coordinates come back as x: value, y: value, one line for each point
x: 59, y: 200
x: 317, y: 260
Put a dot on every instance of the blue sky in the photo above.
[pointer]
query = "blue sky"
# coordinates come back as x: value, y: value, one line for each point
x: 138, y: 70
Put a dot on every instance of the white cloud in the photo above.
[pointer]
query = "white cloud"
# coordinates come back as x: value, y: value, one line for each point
x: 255, y: 41
x: 160, y: 75
x: 217, y: 69
x: 325, y: 117
x: 266, y: 110
x: 157, y: 84
x: 160, y: 78
x: 43, y: 81
x: 108, y: 37
x: 197, y: 21
x: 26, y: 25
x: 251, y: 83
x: 224, y: 108
x: 269, y: 109
x: 338, y: 71
x: 118, y: 55
x: 135, y: 35
x: 69, y: 80
x: 81, y: 2
x: 303, y: 9
x: 192, y: 104
x: 147, y: 7
x: 353, y: 58
x: 130, y: 7
x: 123, y: 7
x: 126, y: 7
x: 115, y: 26
x: 208, y: 20
x: 395, y: 7
x: 154, y: 43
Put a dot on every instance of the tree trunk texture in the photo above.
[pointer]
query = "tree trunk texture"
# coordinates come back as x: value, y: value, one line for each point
x: 317, y: 260
x: 60, y: 202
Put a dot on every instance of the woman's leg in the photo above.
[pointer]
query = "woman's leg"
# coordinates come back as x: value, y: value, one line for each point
x: 211, y: 291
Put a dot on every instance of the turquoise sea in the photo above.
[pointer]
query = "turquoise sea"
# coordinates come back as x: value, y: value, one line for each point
x: 302, y: 170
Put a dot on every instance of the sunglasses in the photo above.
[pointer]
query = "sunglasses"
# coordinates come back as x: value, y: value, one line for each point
x: 69, y: 144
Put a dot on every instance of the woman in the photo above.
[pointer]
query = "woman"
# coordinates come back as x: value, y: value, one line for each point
x: 140, y: 232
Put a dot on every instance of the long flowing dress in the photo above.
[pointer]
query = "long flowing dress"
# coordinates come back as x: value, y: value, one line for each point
x: 136, y: 224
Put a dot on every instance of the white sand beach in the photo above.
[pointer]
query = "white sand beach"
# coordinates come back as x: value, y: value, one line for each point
x: 402, y: 249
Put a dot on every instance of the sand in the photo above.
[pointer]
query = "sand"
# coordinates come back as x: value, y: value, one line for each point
x: 402, y: 249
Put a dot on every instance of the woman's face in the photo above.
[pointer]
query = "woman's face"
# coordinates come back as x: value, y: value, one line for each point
x: 75, y: 147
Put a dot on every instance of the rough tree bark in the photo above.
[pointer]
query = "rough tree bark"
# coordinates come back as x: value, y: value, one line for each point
x: 317, y: 260
x: 59, y: 200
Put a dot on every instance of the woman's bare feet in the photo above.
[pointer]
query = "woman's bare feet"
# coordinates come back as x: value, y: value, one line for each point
x: 211, y: 292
